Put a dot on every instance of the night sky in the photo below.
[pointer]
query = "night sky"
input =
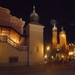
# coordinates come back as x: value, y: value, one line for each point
x: 62, y: 11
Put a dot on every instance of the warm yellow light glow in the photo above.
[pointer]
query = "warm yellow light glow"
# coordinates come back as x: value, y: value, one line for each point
x: 62, y: 56
x: 74, y: 51
x: 52, y: 57
x: 48, y: 48
x: 57, y: 49
x: 71, y: 53
x: 45, y: 56
x: 63, y: 35
x: 14, y: 39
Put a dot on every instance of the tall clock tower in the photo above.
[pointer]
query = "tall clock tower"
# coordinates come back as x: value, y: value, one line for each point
x: 35, y: 40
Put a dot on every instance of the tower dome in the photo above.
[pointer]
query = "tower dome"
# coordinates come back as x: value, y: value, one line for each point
x: 34, y: 16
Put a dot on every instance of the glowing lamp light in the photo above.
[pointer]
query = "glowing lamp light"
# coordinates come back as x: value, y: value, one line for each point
x: 62, y: 56
x: 52, y: 57
x: 48, y: 48
x: 45, y: 56
x: 71, y: 53
x: 74, y: 51
x: 63, y: 35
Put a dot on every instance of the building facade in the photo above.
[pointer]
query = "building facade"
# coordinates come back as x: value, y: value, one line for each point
x: 36, y: 44
x: 16, y: 47
x: 59, y: 43
x: 54, y: 39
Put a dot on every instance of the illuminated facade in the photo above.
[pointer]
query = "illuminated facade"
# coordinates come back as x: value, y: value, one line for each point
x: 59, y: 44
x: 54, y: 39
x: 16, y: 47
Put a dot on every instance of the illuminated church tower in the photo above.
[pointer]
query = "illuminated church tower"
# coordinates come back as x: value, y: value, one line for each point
x: 54, y: 39
x: 62, y: 40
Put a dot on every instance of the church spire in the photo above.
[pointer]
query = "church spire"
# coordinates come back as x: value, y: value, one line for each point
x: 54, y: 28
x: 34, y: 8
x: 62, y: 30
x: 34, y: 17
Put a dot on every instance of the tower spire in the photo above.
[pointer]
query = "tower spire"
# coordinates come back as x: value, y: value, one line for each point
x: 54, y: 28
x: 54, y: 25
x: 33, y: 8
x: 62, y: 28
x: 34, y: 17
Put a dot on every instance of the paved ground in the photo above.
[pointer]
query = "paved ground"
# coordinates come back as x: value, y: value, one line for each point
x: 53, y: 69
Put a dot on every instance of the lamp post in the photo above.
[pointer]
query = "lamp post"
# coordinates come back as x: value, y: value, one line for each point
x: 48, y: 48
x: 48, y: 52
x: 46, y: 57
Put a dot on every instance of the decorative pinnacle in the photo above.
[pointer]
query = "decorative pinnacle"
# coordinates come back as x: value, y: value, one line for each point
x: 33, y: 8
x: 54, y: 25
x: 62, y: 28
x: 54, y: 28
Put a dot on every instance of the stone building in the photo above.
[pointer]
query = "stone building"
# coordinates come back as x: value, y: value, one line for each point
x: 59, y: 43
x: 17, y: 48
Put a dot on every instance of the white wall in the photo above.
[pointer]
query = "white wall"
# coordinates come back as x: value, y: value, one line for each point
x: 35, y: 40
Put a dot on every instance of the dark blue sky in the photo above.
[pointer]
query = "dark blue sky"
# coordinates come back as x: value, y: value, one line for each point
x: 63, y: 11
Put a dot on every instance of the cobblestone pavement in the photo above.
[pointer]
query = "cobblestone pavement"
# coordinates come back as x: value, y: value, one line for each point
x: 53, y: 69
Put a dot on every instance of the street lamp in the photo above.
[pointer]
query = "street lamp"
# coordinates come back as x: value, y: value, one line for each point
x: 45, y: 59
x: 45, y: 56
x: 48, y: 52
x: 71, y: 54
x: 48, y: 48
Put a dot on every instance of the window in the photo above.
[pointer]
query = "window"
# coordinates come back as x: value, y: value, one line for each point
x: 13, y: 59
x: 5, y: 33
